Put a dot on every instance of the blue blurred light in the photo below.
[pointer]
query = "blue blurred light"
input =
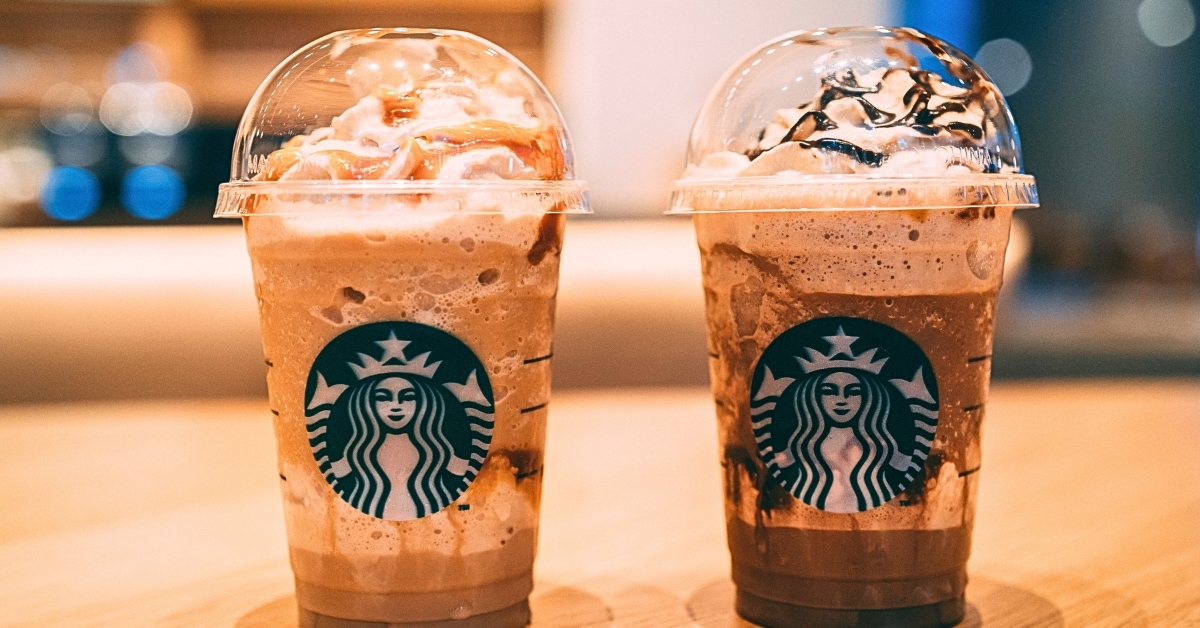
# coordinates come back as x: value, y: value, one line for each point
x: 956, y: 21
x: 152, y: 192
x: 70, y: 193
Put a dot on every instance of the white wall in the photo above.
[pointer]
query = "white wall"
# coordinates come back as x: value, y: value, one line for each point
x: 631, y: 75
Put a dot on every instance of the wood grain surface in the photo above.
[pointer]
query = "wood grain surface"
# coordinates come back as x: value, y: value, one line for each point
x: 167, y: 513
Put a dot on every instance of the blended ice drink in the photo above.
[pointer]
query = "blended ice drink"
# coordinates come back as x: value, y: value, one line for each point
x: 403, y: 194
x: 852, y: 192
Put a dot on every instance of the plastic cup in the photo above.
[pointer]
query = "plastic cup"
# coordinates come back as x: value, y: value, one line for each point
x: 403, y: 194
x: 852, y: 193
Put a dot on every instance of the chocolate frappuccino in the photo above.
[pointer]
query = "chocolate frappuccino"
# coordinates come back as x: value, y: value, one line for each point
x: 403, y: 193
x: 852, y: 192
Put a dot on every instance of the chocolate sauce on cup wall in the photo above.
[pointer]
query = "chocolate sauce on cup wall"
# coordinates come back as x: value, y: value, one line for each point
x: 852, y: 250
x: 912, y: 550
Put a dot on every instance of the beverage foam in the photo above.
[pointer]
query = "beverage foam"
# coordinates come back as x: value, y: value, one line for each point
x: 865, y: 252
x: 469, y: 274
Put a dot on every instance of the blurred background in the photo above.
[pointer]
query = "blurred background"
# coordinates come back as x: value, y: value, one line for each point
x: 117, y: 121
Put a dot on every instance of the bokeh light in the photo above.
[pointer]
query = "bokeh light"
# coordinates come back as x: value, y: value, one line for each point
x: 152, y: 192
x: 67, y: 109
x: 71, y: 193
x: 1166, y: 23
x: 132, y: 108
x: 166, y: 108
x: 143, y: 150
x: 23, y: 171
x: 119, y: 109
x: 138, y: 100
x: 1007, y: 62
x: 141, y: 62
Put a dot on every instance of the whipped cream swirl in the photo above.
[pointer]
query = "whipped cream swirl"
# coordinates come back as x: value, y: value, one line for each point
x: 889, y: 121
x: 425, y: 115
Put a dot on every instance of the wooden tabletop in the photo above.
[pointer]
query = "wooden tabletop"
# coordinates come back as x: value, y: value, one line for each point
x: 168, y: 513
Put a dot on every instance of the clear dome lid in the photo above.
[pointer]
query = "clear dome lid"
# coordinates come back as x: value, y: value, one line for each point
x: 854, y: 118
x: 394, y: 117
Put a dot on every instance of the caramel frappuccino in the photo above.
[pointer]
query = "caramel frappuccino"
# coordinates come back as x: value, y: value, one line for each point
x: 405, y: 257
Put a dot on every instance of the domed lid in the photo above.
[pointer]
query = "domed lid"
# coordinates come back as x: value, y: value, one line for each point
x: 394, y: 117
x: 854, y: 118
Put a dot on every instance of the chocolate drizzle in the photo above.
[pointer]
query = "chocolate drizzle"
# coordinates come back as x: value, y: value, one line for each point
x: 974, y: 131
x: 930, y: 107
x: 862, y: 155
x: 808, y: 124
x: 845, y: 85
x: 929, y: 115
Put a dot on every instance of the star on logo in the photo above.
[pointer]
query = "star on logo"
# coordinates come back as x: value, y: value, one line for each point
x: 771, y: 387
x: 840, y: 344
x: 325, y: 394
x: 468, y: 391
x: 392, y: 348
x: 914, y: 388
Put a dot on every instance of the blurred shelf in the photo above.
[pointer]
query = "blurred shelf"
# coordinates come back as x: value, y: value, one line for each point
x: 486, y: 6
x: 221, y: 50
x: 1130, y: 330
x: 121, y: 6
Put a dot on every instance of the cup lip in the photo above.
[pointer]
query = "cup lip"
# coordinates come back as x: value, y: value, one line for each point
x: 838, y: 192
x: 566, y: 196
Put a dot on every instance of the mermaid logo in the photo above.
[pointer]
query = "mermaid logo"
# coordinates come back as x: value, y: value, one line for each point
x: 844, y: 411
x: 399, y: 418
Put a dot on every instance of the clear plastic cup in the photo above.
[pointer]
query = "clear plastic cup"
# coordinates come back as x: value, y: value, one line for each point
x: 403, y: 194
x: 852, y: 191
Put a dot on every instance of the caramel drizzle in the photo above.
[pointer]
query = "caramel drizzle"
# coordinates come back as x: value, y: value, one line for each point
x: 538, y: 147
x: 280, y: 162
x: 345, y: 165
x: 398, y: 106
x: 342, y: 165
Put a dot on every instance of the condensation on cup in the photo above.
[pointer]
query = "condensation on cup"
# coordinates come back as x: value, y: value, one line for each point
x: 404, y: 195
x: 852, y: 192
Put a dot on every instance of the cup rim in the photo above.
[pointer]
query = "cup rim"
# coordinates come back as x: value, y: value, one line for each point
x: 849, y: 192
x: 237, y: 199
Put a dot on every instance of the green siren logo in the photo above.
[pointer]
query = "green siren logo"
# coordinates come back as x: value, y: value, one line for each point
x: 844, y: 411
x: 399, y: 418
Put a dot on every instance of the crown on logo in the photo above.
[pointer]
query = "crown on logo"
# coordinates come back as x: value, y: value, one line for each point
x: 393, y: 360
x: 840, y: 345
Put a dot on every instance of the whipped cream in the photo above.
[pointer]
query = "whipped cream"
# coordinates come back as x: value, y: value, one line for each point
x: 889, y: 121
x: 435, y: 122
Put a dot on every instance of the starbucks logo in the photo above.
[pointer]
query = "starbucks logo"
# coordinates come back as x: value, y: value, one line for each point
x: 844, y: 411
x: 399, y: 418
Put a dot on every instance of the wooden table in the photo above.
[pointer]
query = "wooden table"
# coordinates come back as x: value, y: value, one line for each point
x: 167, y: 513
